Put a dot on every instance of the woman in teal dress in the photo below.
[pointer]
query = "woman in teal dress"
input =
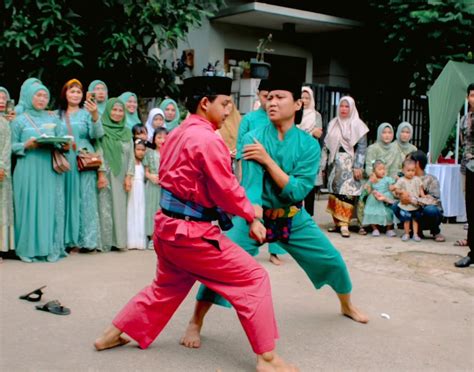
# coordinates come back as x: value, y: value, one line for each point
x: 82, y: 210
x: 152, y: 187
x: 172, y: 114
x: 20, y: 107
x: 131, y: 109
x: 101, y: 94
x: 7, y: 236
x: 38, y: 191
x: 115, y: 176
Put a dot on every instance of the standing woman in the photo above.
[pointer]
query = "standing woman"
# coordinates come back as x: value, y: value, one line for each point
x: 312, y: 123
x: 7, y: 236
x: 131, y: 109
x: 403, y: 145
x: 115, y: 176
x: 172, y: 115
x: 38, y: 191
x: 346, y: 145
x: 82, y: 211
x: 101, y: 94
x: 20, y: 107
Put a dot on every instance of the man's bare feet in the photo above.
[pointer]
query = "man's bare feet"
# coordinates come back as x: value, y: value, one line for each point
x: 274, y: 259
x: 354, y: 313
x: 192, y: 336
x: 110, y: 338
x: 271, y: 362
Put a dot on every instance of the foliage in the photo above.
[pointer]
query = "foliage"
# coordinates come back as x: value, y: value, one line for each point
x: 423, y: 35
x: 115, y: 40
x: 262, y: 47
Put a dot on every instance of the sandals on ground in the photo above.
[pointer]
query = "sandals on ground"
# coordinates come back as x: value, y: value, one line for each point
x: 33, y: 296
x: 54, y: 307
x: 345, y: 233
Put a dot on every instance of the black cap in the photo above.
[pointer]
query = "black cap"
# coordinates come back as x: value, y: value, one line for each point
x: 206, y: 86
x: 286, y: 83
x: 264, y: 85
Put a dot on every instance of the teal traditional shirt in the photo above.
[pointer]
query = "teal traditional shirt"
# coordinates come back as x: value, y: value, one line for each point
x: 251, y: 121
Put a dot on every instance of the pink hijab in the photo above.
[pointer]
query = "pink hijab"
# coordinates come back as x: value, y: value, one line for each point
x: 345, y: 132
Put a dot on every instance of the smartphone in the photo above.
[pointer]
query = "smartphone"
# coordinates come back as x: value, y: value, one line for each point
x: 10, y: 106
x: 90, y: 96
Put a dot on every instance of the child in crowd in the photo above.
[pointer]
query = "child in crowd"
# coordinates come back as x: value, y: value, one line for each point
x: 409, y: 212
x: 136, y: 201
x: 377, y: 213
x: 152, y: 188
x: 156, y: 119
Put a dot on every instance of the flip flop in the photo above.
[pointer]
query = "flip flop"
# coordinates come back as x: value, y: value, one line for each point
x: 334, y: 229
x: 33, y: 296
x: 54, y: 307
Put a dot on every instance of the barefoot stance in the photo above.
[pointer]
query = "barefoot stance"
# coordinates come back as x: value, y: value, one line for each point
x: 192, y: 336
x: 355, y: 314
x: 274, y: 259
x: 273, y: 363
x: 110, y: 338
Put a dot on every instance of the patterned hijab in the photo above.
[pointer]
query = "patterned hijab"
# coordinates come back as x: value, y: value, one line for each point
x: 100, y: 105
x: 170, y: 125
x: 345, y: 132
x: 114, y: 134
x: 149, y: 122
x: 131, y: 119
x: 20, y: 107
x: 4, y: 90
x: 404, y: 146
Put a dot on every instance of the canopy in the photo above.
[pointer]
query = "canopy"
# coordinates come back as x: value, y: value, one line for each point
x: 445, y: 99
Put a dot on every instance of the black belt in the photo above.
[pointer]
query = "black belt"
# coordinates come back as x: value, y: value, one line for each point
x: 180, y: 216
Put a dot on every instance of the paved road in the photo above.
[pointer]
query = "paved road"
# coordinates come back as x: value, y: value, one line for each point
x: 429, y: 301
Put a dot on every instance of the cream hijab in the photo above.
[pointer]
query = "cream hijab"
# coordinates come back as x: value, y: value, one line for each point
x: 308, y: 123
x: 345, y: 132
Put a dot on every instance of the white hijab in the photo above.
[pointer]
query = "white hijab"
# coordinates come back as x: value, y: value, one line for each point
x: 149, y: 122
x: 345, y: 132
x: 308, y: 123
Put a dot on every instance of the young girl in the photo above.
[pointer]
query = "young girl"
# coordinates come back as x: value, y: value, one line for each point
x: 153, y: 188
x: 409, y: 212
x: 156, y: 119
x: 376, y: 213
x: 136, y: 238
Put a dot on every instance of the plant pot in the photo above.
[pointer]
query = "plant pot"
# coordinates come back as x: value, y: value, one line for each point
x: 260, y: 70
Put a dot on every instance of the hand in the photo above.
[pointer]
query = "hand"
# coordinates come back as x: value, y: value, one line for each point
x: 31, y: 144
x: 357, y: 174
x: 233, y: 153
x: 379, y: 196
x: 318, y: 132
x: 66, y: 147
x: 404, y: 197
x: 2, y: 174
x: 373, y: 178
x: 256, y: 152
x: 154, y: 179
x: 127, y: 183
x: 258, y: 231
x: 91, y: 106
x: 102, y: 182
x: 11, y: 116
x: 258, y: 211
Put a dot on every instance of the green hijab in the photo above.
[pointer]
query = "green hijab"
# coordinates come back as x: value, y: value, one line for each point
x: 114, y: 134
x: 131, y: 119
x: 28, y: 100
x: 404, y: 146
x: 100, y: 105
x: 380, y: 129
x: 20, y: 107
x: 170, y: 125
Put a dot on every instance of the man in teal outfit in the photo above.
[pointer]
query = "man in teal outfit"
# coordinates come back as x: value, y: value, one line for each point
x: 252, y: 121
x: 279, y: 165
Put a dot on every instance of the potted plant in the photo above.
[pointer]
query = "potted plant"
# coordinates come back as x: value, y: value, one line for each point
x: 245, y: 69
x: 259, y: 69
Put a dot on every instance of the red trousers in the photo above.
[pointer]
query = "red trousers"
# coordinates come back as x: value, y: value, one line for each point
x: 218, y: 263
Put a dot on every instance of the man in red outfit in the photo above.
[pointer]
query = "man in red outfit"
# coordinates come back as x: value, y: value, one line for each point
x: 198, y: 187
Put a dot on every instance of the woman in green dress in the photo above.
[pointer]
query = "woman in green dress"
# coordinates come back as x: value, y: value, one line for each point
x: 172, y: 114
x: 115, y: 176
x: 7, y: 236
x: 20, y: 107
x: 403, y: 145
x: 82, y: 211
x: 38, y: 191
x: 152, y: 187
x: 131, y: 109
x: 101, y: 94
x: 383, y: 149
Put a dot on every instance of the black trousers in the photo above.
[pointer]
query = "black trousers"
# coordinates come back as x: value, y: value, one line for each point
x: 309, y: 201
x: 470, y: 210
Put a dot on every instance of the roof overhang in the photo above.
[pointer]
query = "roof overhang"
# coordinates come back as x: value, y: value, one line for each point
x: 275, y: 17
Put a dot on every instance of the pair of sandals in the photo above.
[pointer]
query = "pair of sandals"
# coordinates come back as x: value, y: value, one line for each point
x: 53, y: 307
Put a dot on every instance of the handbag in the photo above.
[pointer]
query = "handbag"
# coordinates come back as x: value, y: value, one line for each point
x: 88, y: 161
x: 59, y: 160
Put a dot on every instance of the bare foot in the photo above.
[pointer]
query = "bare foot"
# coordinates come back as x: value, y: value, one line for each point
x: 110, y: 338
x: 354, y: 313
x: 192, y: 336
x: 274, y: 259
x: 271, y: 362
